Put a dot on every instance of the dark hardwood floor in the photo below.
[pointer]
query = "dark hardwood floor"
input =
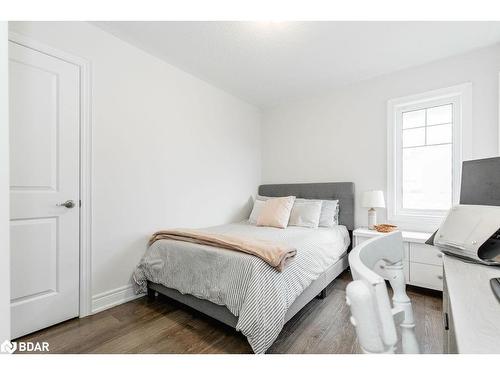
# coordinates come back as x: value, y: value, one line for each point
x: 164, y: 326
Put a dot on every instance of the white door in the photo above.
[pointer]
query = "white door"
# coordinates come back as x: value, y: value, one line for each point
x: 44, y: 172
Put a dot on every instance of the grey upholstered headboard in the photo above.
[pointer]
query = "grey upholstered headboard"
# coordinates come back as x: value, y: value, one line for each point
x: 343, y: 191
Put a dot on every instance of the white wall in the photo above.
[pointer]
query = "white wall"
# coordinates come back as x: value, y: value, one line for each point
x: 4, y: 190
x: 169, y: 150
x: 341, y: 136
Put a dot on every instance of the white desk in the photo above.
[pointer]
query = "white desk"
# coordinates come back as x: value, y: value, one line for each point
x: 472, y: 309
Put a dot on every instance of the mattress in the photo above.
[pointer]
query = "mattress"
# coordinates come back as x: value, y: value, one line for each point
x: 252, y: 290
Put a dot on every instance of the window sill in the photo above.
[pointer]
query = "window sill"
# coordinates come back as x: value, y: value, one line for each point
x: 422, y: 223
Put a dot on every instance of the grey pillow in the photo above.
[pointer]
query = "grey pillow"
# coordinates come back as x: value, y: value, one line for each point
x: 329, y: 213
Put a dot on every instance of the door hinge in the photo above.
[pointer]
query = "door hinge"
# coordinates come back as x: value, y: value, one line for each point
x: 80, y: 203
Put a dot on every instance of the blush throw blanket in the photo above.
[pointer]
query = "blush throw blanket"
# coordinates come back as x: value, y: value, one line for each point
x: 273, y: 253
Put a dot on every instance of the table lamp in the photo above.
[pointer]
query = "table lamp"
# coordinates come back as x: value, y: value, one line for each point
x: 371, y: 200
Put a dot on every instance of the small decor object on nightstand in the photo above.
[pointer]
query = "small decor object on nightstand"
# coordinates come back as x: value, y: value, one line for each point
x: 385, y: 228
x: 373, y: 199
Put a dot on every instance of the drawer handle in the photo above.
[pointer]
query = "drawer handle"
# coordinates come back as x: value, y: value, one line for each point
x: 440, y: 277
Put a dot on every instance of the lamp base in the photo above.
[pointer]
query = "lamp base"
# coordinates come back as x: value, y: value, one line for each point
x: 372, y: 218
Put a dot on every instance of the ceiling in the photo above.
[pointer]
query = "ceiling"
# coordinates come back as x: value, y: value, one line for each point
x: 268, y: 63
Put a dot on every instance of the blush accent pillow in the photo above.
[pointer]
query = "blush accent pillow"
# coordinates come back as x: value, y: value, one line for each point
x: 257, y: 208
x: 276, y: 212
x: 306, y: 213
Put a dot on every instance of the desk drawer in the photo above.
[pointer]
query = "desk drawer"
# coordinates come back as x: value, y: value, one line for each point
x: 426, y: 275
x: 426, y: 254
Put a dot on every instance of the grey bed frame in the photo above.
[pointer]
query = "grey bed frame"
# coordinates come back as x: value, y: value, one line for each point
x: 343, y: 191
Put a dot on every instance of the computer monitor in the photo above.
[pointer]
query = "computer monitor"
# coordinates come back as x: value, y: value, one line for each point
x: 481, y: 182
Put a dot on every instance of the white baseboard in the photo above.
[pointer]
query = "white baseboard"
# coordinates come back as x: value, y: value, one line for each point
x: 111, y: 298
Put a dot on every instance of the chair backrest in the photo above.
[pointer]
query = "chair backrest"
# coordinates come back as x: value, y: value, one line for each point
x: 373, y: 317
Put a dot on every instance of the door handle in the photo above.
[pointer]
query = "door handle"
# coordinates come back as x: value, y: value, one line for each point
x: 67, y: 204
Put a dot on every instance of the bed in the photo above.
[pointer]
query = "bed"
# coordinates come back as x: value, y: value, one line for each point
x: 241, y: 290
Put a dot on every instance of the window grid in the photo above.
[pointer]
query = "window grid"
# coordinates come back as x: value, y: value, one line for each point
x: 426, y: 126
x: 431, y: 145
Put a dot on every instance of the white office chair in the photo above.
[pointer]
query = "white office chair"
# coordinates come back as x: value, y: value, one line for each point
x: 373, y: 262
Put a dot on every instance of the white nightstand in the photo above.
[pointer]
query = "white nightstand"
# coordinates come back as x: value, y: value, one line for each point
x: 423, y: 264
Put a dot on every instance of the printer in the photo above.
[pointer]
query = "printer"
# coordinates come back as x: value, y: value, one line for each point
x: 471, y: 230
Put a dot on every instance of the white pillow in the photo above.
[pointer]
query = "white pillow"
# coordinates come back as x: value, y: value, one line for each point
x: 329, y: 214
x: 276, y: 212
x: 257, y: 208
x: 306, y: 213
x: 264, y: 198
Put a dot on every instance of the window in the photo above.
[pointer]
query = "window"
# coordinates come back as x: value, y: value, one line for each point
x: 425, y: 155
x: 426, y: 159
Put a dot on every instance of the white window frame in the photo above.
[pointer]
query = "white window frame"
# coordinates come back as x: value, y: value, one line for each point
x: 461, y: 98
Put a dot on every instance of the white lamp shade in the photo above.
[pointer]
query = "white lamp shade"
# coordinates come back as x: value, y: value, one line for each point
x: 373, y: 199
